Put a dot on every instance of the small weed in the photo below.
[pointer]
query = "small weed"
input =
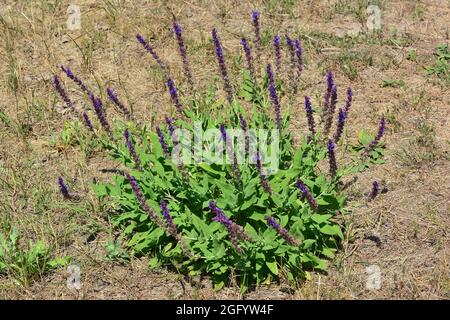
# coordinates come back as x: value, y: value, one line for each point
x: 392, y: 83
x: 441, y: 66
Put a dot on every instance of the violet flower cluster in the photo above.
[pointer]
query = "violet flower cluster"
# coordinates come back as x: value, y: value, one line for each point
x: 142, y: 201
x: 340, y: 125
x: 187, y: 70
x: 152, y: 51
x: 376, y: 140
x: 277, y: 48
x: 223, y: 69
x: 307, y: 195
x: 171, y: 227
x: 174, y: 96
x: 310, y: 117
x: 330, y: 110
x: 375, y: 190
x: 131, y: 149
x: 101, y: 115
x: 235, y: 231
x: 332, y: 158
x: 274, y: 96
x: 63, y: 188
x: 162, y: 142
x: 281, y: 231
x: 244, y: 127
x: 348, y: 102
x: 327, y: 96
x: 87, y: 122
x: 257, y: 27
x: 249, y: 58
x: 264, y: 182
x: 77, y: 80
x: 230, y: 153
x: 59, y: 88
x: 113, y: 97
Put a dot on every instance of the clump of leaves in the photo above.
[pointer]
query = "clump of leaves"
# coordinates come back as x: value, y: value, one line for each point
x: 441, y: 66
x: 26, y: 265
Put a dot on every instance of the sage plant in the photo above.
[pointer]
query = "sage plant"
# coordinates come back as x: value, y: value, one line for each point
x: 281, y: 231
x: 187, y: 70
x: 274, y: 96
x: 307, y: 195
x: 222, y: 66
x: 257, y: 27
x: 376, y: 140
x: 249, y: 58
x: 113, y: 97
x: 131, y: 149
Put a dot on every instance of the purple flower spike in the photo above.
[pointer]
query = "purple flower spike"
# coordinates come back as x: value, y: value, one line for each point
x: 63, y: 188
x: 75, y: 79
x: 142, y: 201
x: 229, y: 152
x: 249, y: 58
x: 281, y: 231
x: 348, y: 102
x: 87, y: 122
x: 235, y: 231
x: 330, y: 110
x: 162, y: 142
x: 309, y: 116
x: 187, y: 70
x: 276, y: 45
x: 299, y: 55
x: 327, y: 96
x: 113, y: 97
x: 174, y: 96
x: 340, y: 125
x: 59, y: 88
x: 264, y: 182
x: 171, y: 227
x: 170, y: 121
x: 381, y: 129
x: 307, y: 195
x: 375, y: 190
x: 151, y: 51
x: 332, y: 158
x: 222, y: 65
x: 101, y: 115
x: 290, y: 45
x: 274, y: 96
x: 130, y: 146
x: 244, y: 127
x: 256, y: 25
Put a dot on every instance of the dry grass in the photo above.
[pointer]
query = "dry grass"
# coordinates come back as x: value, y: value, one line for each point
x: 411, y: 219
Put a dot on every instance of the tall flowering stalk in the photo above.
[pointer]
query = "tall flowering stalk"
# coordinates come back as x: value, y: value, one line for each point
x: 257, y: 27
x: 290, y: 44
x: 174, y: 96
x: 274, y: 96
x: 101, y: 115
x: 169, y: 221
x: 162, y: 142
x: 340, y: 125
x: 375, y: 190
x: 152, y: 51
x: 75, y: 79
x: 131, y: 149
x: 230, y: 152
x: 307, y: 195
x: 380, y: 133
x: 235, y: 231
x: 264, y: 182
x: 332, y: 158
x: 330, y: 111
x: 87, y: 122
x: 223, y: 68
x: 63, y: 188
x: 244, y: 127
x: 281, y: 231
x: 348, y: 101
x: 293, y: 65
x: 59, y: 88
x: 142, y: 201
x: 187, y: 70
x: 171, y: 128
x: 327, y: 96
x: 310, y: 117
x: 249, y: 58
x: 299, y: 63
x: 113, y: 97
x: 277, y: 49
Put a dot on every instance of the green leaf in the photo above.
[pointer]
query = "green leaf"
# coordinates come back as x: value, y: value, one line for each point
x: 272, y: 265
x: 332, y: 230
